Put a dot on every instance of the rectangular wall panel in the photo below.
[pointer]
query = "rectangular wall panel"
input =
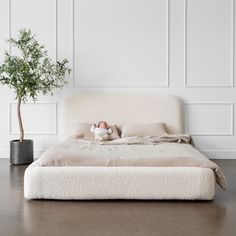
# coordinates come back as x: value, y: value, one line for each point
x: 38, y: 118
x: 40, y: 17
x: 65, y: 33
x: 4, y: 34
x: 209, y: 119
x: 4, y: 27
x: 209, y: 43
x: 121, y: 42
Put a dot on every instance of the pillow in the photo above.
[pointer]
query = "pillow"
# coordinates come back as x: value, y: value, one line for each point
x: 82, y: 131
x: 115, y: 134
x: 154, y: 129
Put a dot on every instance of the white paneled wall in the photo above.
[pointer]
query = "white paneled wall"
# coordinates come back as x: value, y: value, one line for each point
x: 131, y: 36
x: 31, y: 113
x: 209, y: 46
x: 180, y: 47
x: 209, y: 119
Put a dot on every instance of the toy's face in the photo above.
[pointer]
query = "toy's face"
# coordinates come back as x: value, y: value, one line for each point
x: 103, y: 125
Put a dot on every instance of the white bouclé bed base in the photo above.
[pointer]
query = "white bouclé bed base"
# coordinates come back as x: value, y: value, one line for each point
x: 73, y: 182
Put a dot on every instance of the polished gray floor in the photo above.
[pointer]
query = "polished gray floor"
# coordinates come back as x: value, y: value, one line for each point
x: 102, y: 218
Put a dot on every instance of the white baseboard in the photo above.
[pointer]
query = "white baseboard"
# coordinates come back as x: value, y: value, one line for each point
x: 220, y: 154
x: 4, y: 153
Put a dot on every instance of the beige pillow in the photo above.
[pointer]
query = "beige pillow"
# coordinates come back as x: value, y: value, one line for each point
x: 82, y: 131
x: 115, y: 134
x: 154, y: 129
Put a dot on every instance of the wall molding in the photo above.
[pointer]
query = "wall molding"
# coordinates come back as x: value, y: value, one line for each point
x: 56, y: 34
x: 33, y: 133
x: 9, y: 24
x: 73, y: 43
x: 167, y: 80
x: 231, y: 85
x: 231, y: 133
x: 56, y: 27
x: 56, y: 58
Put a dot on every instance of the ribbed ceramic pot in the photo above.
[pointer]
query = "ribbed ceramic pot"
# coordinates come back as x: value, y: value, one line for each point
x: 21, y: 152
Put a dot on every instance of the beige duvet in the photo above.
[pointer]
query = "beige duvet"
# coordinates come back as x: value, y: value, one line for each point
x: 165, y: 151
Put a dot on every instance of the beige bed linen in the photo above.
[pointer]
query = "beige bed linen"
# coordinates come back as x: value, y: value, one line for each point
x: 165, y: 151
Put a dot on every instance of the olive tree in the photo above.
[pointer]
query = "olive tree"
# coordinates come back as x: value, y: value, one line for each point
x: 31, y: 72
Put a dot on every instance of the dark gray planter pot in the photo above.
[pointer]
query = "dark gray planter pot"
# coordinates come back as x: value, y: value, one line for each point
x: 21, y: 152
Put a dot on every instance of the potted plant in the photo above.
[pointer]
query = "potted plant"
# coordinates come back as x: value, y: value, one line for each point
x: 29, y: 73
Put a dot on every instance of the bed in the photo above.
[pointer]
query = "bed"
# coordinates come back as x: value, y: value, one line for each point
x: 78, y: 182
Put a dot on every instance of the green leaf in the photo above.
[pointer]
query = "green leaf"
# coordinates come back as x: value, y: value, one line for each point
x: 32, y: 72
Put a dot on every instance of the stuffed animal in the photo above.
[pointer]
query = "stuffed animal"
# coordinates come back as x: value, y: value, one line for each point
x: 102, y: 131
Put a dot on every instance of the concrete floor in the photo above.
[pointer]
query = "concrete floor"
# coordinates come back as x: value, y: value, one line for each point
x: 40, y: 217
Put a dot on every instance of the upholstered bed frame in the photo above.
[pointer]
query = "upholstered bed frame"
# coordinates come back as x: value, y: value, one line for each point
x: 76, y: 182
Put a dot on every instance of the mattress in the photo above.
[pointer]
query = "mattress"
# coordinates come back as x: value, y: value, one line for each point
x: 162, y: 151
x: 98, y: 182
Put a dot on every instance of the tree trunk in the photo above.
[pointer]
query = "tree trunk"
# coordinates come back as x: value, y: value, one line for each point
x: 20, y: 120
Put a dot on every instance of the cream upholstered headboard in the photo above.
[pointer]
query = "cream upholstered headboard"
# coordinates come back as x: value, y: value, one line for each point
x: 123, y: 109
